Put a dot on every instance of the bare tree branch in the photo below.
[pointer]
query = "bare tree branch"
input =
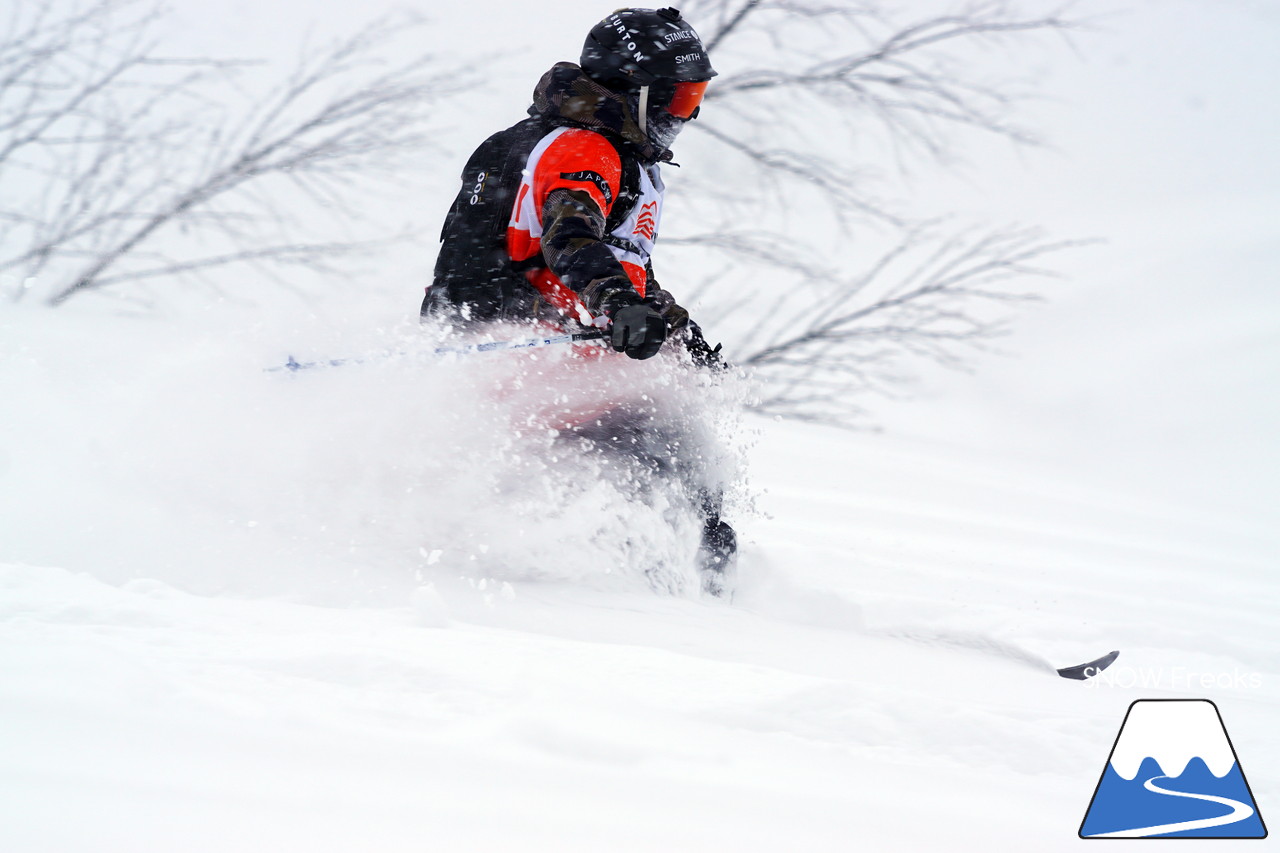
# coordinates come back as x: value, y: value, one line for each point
x: 810, y: 94
x: 927, y: 297
x: 730, y: 25
x: 121, y: 164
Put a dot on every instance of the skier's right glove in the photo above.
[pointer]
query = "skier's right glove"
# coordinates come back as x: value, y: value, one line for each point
x: 702, y: 353
x: 635, y: 327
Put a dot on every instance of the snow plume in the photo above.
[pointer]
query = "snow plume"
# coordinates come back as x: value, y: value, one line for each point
x: 585, y: 466
x: 173, y: 455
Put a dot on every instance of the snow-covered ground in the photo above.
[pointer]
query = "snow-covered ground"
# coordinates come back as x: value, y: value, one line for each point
x: 226, y: 621
x: 203, y: 648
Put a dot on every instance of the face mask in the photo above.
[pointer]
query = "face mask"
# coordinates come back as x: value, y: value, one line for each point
x: 660, y: 127
x: 663, y: 128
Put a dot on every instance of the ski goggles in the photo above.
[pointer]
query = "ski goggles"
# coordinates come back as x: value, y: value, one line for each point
x: 680, y: 99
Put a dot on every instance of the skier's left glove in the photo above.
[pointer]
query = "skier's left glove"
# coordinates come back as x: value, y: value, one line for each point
x: 636, y: 328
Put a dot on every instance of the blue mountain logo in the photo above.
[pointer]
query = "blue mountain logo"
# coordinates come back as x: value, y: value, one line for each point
x: 1173, y: 773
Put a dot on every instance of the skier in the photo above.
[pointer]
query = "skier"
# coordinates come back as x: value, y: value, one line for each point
x: 558, y: 215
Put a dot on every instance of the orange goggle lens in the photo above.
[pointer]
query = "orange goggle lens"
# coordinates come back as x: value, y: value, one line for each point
x: 686, y: 99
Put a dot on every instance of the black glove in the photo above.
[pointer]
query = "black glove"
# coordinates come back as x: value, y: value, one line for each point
x: 637, y: 329
x: 701, y: 352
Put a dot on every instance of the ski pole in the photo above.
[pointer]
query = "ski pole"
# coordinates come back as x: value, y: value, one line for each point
x: 294, y: 365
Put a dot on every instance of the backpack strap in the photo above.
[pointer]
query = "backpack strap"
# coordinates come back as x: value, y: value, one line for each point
x: 628, y: 193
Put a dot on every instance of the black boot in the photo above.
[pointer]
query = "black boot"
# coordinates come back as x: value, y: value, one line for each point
x: 716, y: 554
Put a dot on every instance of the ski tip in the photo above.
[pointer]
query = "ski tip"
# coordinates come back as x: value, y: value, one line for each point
x: 292, y: 365
x: 1088, y: 670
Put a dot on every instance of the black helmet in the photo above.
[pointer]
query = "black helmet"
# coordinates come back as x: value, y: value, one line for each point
x: 638, y: 47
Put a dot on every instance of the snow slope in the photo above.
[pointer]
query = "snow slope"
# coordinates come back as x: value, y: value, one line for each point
x: 191, y: 660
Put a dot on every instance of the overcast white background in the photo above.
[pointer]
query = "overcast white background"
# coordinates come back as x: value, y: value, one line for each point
x: 1158, y: 354
x: 1107, y: 482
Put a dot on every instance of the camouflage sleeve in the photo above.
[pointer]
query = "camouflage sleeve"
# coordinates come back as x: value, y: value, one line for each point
x: 572, y: 244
